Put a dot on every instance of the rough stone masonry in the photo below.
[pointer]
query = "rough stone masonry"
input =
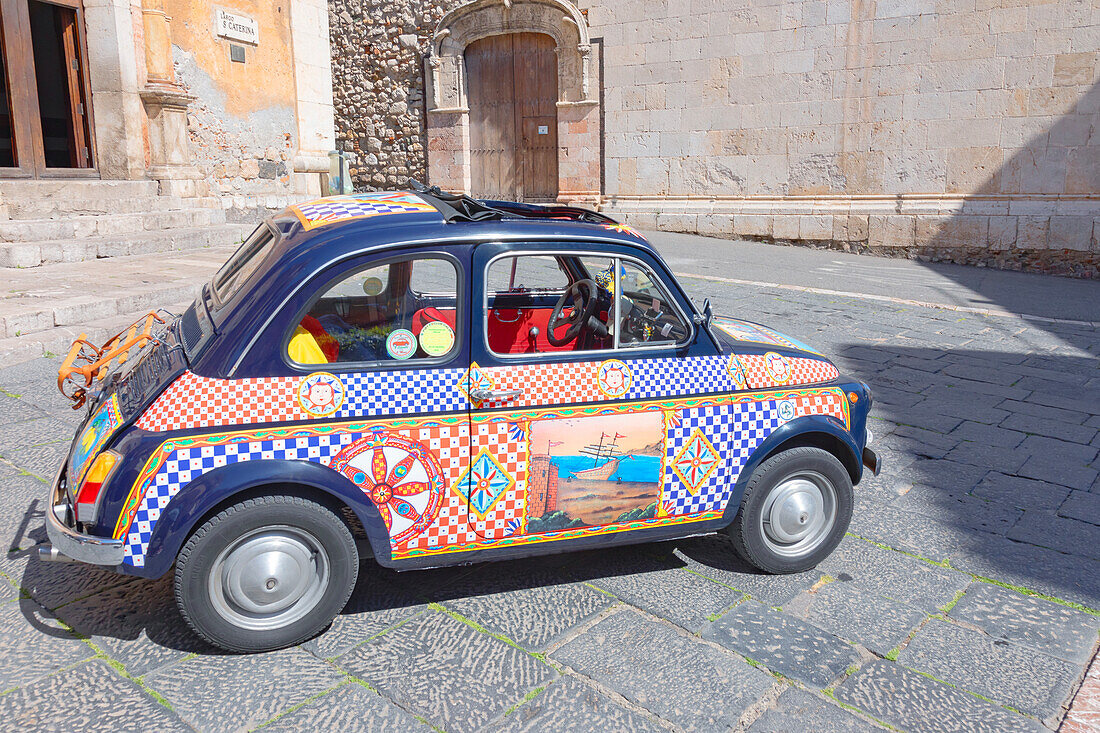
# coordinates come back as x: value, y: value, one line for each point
x: 940, y: 129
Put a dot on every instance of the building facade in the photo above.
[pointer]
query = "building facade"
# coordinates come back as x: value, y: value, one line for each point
x: 230, y: 102
x: 946, y: 129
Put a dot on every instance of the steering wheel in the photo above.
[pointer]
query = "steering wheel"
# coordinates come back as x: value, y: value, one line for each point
x: 583, y: 295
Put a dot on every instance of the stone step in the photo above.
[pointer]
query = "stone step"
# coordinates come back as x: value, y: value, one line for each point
x: 35, y: 230
x: 56, y: 341
x: 69, y: 189
x: 34, y: 254
x: 52, y: 207
x: 37, y: 302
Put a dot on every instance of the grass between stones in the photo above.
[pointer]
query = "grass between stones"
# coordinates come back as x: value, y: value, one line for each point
x: 981, y: 578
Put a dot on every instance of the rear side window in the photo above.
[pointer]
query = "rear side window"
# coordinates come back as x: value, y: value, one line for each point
x: 396, y: 312
x: 250, y: 255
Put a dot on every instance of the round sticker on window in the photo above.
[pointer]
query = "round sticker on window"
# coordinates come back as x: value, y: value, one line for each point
x: 373, y: 286
x: 436, y: 338
x: 401, y: 344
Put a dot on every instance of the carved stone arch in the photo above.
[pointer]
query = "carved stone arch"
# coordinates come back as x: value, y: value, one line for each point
x: 579, y: 160
x: 559, y: 19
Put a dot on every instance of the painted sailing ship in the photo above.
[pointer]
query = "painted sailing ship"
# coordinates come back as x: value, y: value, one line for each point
x: 606, y: 457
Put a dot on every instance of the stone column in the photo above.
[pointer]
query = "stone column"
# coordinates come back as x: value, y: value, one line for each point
x: 166, y: 108
x: 113, y: 73
x: 313, y: 77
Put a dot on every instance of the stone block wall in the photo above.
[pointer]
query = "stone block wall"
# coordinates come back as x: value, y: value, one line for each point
x: 959, y: 130
x: 378, y: 48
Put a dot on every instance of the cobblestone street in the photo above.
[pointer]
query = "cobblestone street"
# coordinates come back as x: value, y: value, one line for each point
x: 966, y: 596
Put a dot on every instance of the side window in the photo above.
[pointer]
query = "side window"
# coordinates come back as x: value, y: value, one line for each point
x: 647, y: 313
x: 395, y: 312
x: 531, y: 308
x: 526, y: 274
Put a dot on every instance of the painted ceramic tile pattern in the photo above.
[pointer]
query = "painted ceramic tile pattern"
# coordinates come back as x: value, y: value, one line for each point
x: 479, y: 471
x: 199, y: 402
x: 334, y: 209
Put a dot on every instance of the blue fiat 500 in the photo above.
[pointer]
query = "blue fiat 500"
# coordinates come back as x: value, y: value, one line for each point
x: 449, y: 380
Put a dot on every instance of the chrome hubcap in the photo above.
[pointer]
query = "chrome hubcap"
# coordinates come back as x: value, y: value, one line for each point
x: 269, y: 578
x: 798, y: 514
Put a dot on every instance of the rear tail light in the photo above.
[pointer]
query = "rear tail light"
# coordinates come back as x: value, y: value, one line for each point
x: 88, y: 493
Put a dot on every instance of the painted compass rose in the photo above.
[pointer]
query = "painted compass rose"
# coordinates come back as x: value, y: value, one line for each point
x: 401, y: 477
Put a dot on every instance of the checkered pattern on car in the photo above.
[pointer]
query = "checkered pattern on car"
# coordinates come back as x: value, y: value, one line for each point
x: 402, y: 392
x: 187, y: 464
x: 801, y: 371
x: 358, y: 206
x: 715, y: 425
x: 199, y: 402
x: 456, y: 524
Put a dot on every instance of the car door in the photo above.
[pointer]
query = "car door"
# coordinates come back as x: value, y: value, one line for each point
x: 381, y: 347
x: 577, y: 441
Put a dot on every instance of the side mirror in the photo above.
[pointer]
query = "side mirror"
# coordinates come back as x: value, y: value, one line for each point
x: 704, y: 318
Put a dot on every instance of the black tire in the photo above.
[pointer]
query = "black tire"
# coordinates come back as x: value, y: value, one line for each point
x: 766, y: 532
x: 305, y: 548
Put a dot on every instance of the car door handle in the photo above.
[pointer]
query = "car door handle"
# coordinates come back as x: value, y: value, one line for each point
x: 488, y: 395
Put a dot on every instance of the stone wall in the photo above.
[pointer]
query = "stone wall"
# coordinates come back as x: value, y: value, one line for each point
x: 257, y: 130
x: 378, y: 48
x: 945, y: 129
x: 961, y: 130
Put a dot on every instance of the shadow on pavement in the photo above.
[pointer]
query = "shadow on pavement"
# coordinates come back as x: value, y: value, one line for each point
x: 991, y: 462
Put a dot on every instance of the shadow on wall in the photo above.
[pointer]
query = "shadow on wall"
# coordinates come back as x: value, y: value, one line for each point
x: 1049, y: 220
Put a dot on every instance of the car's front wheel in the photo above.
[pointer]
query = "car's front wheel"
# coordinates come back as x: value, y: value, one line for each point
x: 795, y: 510
x: 266, y: 573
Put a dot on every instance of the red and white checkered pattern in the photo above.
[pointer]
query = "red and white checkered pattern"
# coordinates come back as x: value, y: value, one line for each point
x: 546, y: 384
x: 826, y: 403
x: 193, y: 401
x: 455, y: 524
x: 802, y: 371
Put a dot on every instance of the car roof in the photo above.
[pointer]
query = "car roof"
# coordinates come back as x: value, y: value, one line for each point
x: 362, y: 221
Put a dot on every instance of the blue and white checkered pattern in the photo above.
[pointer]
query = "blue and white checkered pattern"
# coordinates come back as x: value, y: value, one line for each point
x: 752, y: 422
x: 657, y: 378
x: 187, y: 464
x: 714, y: 423
x: 735, y: 431
x: 402, y: 392
x: 354, y: 206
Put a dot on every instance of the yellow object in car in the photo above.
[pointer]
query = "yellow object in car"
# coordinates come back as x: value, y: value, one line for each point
x: 304, y: 349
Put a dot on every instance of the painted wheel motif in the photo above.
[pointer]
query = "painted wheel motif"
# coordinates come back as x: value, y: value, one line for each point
x: 400, y: 476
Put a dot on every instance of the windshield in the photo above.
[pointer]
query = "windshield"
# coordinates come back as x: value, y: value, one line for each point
x: 236, y: 271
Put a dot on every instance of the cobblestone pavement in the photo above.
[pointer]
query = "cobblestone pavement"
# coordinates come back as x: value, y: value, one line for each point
x: 965, y: 597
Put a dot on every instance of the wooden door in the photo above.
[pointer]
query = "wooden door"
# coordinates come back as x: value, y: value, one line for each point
x: 45, y: 115
x: 513, y: 93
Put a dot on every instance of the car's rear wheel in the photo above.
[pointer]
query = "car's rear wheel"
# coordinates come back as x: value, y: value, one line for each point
x: 265, y: 573
x: 796, y: 508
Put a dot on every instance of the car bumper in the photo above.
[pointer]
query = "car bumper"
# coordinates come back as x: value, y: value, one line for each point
x: 66, y: 542
x: 872, y: 461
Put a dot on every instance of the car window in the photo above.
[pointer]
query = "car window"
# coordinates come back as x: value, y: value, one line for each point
x: 250, y: 255
x: 522, y: 293
x: 527, y: 273
x: 397, y: 312
x: 647, y: 314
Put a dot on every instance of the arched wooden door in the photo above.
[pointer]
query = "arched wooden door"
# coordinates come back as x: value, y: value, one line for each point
x: 513, y: 93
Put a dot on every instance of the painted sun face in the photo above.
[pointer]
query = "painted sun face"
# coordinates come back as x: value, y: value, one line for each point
x: 614, y: 379
x: 321, y: 394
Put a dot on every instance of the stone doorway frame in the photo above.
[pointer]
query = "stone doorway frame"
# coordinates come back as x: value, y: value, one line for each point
x: 578, y: 106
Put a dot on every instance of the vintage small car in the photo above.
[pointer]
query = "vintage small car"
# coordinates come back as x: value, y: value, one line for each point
x: 433, y: 379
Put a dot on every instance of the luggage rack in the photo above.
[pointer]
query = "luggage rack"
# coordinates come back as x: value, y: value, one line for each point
x: 86, y: 363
